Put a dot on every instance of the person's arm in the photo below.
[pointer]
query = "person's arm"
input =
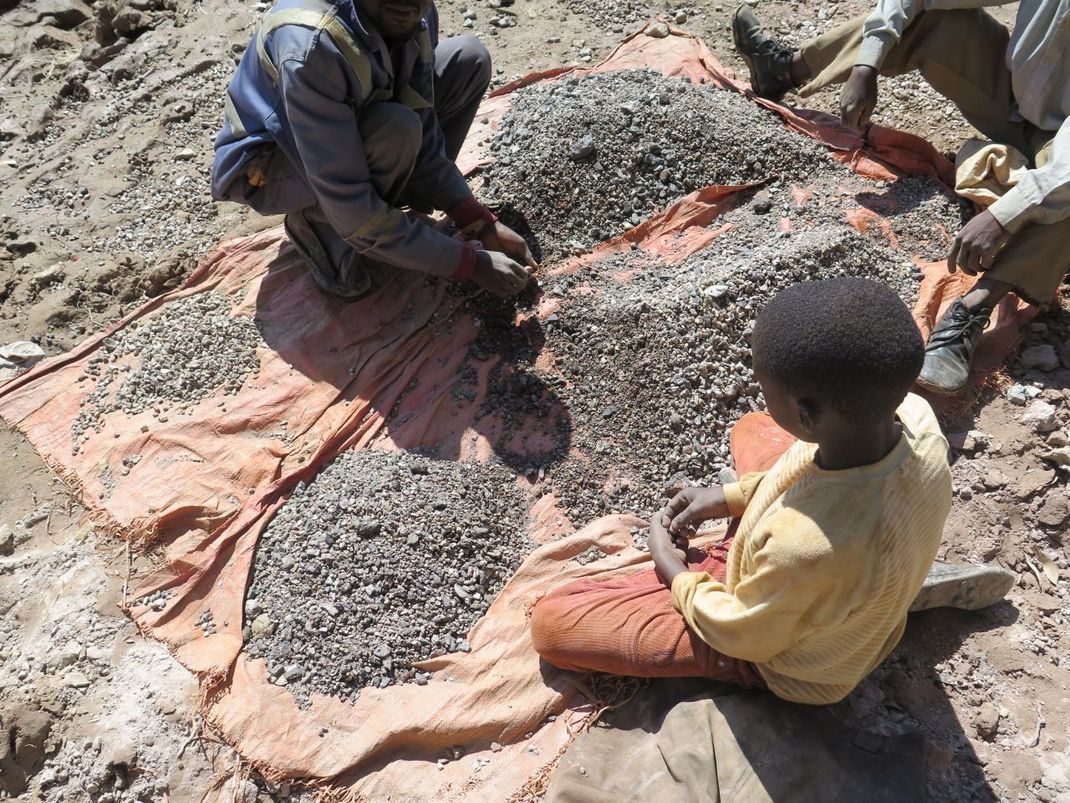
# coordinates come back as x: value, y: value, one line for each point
x: 737, y: 495
x: 767, y: 612
x: 668, y: 552
x: 881, y: 31
x: 329, y: 144
x: 437, y: 178
x: 1041, y: 195
x: 691, y: 506
x: 885, y: 25
x: 883, y: 28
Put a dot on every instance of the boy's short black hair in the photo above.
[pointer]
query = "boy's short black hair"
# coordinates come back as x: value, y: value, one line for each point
x: 847, y: 342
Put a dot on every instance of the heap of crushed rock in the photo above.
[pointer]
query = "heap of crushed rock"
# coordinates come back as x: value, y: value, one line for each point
x: 652, y: 361
x: 580, y: 160
x: 383, y: 560
x: 613, y: 15
x: 191, y: 349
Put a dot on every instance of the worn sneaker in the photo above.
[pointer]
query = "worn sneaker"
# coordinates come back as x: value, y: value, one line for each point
x: 769, y: 62
x: 950, y: 348
x: 969, y: 587
x: 348, y: 280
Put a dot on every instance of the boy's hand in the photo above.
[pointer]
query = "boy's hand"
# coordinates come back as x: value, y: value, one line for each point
x: 499, y: 274
x: 669, y: 553
x: 692, y: 506
x: 499, y: 237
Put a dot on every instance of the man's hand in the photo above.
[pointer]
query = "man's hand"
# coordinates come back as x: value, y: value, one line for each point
x: 498, y: 274
x: 692, y: 506
x: 499, y: 237
x: 669, y: 554
x: 977, y: 245
x: 858, y: 98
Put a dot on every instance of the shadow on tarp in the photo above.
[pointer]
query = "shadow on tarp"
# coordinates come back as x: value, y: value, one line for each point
x: 690, y: 739
x: 446, y: 389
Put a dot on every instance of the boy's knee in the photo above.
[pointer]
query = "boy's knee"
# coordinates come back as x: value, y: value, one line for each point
x: 392, y: 133
x: 545, y: 627
x: 476, y: 60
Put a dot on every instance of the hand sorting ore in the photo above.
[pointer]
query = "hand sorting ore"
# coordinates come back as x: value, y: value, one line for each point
x: 355, y: 158
x: 497, y: 271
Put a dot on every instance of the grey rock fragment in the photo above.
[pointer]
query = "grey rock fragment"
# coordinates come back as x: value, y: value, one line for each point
x: 1041, y: 357
x: 583, y: 149
x: 1040, y: 416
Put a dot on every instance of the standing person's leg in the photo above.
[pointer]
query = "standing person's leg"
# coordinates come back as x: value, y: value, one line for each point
x: 1032, y: 265
x: 961, y: 53
x: 1036, y: 259
x: 462, y: 75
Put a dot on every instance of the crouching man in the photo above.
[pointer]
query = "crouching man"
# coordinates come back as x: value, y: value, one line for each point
x: 341, y: 114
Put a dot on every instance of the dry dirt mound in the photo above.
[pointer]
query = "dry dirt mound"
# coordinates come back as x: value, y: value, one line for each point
x: 107, y: 112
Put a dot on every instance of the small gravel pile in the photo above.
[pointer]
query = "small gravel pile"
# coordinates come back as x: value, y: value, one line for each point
x: 655, y: 370
x: 383, y: 560
x: 188, y: 351
x: 581, y: 160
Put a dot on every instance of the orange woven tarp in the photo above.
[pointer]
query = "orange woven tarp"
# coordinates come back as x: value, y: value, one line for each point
x: 380, y: 373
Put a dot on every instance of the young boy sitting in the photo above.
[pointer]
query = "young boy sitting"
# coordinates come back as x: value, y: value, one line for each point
x: 832, y: 543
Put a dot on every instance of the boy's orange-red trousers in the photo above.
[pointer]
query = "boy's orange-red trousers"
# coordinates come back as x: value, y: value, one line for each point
x: 628, y: 625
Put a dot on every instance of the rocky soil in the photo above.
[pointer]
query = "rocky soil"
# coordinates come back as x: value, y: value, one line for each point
x: 671, y: 348
x: 191, y: 349
x: 107, y: 111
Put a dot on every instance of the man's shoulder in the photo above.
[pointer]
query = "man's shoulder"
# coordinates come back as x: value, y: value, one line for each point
x: 321, y: 6
x: 306, y: 18
x: 320, y: 35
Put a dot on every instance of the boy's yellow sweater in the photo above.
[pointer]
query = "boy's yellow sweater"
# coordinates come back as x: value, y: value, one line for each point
x: 825, y: 564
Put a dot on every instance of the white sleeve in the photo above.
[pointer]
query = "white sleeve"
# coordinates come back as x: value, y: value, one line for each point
x: 884, y: 27
x: 1041, y: 195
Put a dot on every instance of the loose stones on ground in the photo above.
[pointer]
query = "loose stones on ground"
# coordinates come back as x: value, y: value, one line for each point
x: 191, y: 349
x: 385, y: 559
x: 581, y: 160
x: 652, y: 361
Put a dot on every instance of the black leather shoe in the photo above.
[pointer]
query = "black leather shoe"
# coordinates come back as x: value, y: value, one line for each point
x: 769, y: 62
x: 348, y: 281
x: 950, y: 348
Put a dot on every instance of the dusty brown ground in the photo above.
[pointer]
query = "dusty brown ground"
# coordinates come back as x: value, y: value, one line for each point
x: 106, y: 118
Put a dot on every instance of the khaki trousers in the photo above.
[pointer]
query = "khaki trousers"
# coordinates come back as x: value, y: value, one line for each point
x: 962, y: 54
